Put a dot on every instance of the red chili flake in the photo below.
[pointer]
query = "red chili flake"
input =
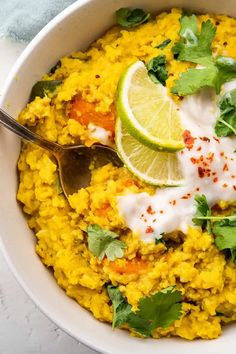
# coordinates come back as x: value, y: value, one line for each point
x: 150, y: 210
x: 233, y: 176
x: 211, y: 156
x: 222, y: 154
x: 205, y: 138
x: 161, y: 211
x: 173, y: 202
x: 216, y: 139
x: 186, y: 196
x: 193, y: 160
x: 215, y: 180
x: 188, y: 139
x: 225, y: 185
x: 201, y: 172
x: 226, y: 167
x: 149, y: 230
x: 234, y: 187
x: 199, y: 148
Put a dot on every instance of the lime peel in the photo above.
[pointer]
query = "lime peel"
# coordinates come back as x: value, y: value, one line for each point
x: 145, y: 107
x: 152, y: 167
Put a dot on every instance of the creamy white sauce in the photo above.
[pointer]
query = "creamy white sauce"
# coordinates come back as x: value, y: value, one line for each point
x: 100, y: 134
x: 208, y: 166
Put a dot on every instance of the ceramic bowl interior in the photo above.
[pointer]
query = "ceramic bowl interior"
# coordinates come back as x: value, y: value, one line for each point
x: 74, y: 29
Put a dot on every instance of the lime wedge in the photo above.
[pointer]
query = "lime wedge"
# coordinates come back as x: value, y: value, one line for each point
x: 147, y: 111
x: 153, y: 167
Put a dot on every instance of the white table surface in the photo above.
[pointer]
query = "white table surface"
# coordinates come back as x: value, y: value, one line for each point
x: 23, y: 328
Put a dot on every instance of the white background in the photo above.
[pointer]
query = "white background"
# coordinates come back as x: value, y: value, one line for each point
x: 23, y: 328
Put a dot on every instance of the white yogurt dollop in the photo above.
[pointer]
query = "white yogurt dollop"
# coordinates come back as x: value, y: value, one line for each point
x: 101, y: 134
x: 209, y: 168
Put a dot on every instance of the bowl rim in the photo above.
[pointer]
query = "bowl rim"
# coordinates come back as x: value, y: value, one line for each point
x: 8, y: 82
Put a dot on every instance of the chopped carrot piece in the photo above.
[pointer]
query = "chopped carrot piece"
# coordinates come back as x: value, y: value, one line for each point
x: 103, y: 210
x: 84, y: 112
x: 134, y: 266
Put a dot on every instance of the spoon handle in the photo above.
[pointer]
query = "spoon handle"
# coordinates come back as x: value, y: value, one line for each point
x: 27, y: 134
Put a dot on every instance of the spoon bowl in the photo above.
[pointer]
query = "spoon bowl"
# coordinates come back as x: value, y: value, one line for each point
x: 75, y: 162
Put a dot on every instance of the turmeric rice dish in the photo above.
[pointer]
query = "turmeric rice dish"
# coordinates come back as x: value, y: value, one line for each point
x: 158, y: 258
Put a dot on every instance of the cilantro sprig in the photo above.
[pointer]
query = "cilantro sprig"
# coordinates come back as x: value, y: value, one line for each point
x: 226, y: 123
x: 157, y: 69
x: 196, y: 47
x: 225, y: 231
x: 203, y: 212
x: 103, y: 243
x: 158, y: 310
x: 223, y: 227
x: 131, y: 18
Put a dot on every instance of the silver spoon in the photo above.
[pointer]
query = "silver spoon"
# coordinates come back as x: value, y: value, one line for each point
x: 73, y: 160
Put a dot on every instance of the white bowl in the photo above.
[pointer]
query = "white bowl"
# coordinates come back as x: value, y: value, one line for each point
x: 73, y: 29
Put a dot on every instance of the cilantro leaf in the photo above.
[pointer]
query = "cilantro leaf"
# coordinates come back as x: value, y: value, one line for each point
x: 103, y: 243
x: 226, y: 63
x: 157, y: 69
x: 194, y: 46
x: 226, y: 123
x: 41, y: 88
x: 203, y: 210
x: 163, y: 44
x: 212, y: 75
x: 193, y: 80
x: 131, y: 18
x: 121, y: 308
x: 158, y: 310
x: 223, y: 227
x: 226, y: 236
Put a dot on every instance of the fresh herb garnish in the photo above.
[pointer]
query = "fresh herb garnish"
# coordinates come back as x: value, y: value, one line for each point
x: 212, y: 75
x: 193, y: 80
x: 225, y: 231
x: 159, y: 239
x: 194, y: 45
x: 163, y: 44
x: 226, y: 123
x: 131, y: 18
x: 223, y: 227
x: 41, y: 88
x: 121, y: 308
x: 158, y: 310
x: 103, y: 243
x: 157, y: 69
x: 203, y: 210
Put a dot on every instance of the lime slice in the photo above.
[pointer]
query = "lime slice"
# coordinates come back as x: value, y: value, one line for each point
x: 147, y: 111
x: 153, y: 167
